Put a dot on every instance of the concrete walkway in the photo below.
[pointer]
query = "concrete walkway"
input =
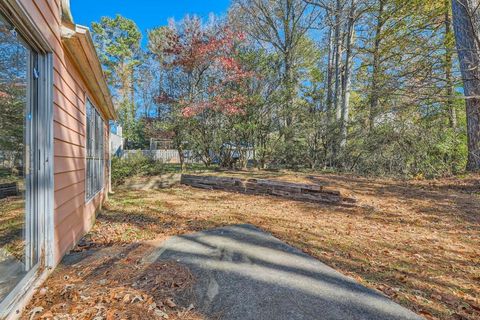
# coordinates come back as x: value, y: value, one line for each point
x: 244, y: 273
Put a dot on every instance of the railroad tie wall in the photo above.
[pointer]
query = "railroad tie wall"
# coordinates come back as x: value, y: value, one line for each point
x: 289, y: 190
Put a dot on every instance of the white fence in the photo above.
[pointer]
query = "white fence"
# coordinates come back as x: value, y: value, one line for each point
x: 171, y: 155
x: 166, y: 156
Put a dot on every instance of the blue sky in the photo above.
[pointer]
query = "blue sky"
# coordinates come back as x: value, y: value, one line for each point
x: 146, y: 13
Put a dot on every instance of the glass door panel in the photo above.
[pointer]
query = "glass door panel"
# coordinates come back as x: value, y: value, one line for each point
x: 18, y: 159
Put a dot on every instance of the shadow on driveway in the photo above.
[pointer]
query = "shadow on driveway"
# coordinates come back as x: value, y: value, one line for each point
x: 245, y: 273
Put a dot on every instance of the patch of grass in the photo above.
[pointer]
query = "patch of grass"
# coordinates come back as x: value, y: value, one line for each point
x: 138, y: 165
x: 133, y: 202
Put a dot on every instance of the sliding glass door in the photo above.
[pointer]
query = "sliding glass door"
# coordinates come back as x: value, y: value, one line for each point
x: 19, y: 159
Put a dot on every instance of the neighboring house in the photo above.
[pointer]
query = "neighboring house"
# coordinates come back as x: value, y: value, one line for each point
x: 116, y: 142
x: 55, y: 106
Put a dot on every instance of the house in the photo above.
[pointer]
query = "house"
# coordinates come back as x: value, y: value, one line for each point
x: 55, y: 108
x: 116, y: 141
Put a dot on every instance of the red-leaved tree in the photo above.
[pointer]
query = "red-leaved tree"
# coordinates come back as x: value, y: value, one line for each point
x: 203, y: 78
x: 207, y: 56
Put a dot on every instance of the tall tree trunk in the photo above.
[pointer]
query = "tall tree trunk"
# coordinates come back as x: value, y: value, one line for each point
x: 466, y: 23
x: 337, y: 49
x: 374, y: 96
x: 289, y: 90
x: 450, y: 101
x: 181, y: 156
x: 347, y: 76
x: 132, y: 87
x: 330, y: 72
x: 338, y: 57
x: 288, y: 78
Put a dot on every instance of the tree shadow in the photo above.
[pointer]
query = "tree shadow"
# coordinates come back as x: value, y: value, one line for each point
x: 168, y: 219
x: 244, y: 273
x: 240, y: 273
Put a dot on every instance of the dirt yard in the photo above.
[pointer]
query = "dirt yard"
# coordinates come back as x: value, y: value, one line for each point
x: 416, y: 241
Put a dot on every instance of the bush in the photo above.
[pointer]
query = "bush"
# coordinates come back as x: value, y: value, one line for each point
x: 134, y: 165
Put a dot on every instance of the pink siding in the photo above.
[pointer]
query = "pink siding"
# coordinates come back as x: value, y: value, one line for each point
x: 73, y: 216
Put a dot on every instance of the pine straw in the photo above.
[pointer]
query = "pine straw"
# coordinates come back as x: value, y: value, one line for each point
x: 416, y: 241
x: 114, y: 283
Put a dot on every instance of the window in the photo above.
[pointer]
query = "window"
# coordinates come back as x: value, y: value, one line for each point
x: 95, y: 152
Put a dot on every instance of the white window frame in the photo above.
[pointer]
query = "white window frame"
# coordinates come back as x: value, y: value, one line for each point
x: 14, y: 11
x: 95, y: 151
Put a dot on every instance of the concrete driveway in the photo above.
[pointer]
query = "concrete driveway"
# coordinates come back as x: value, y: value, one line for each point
x: 245, y: 273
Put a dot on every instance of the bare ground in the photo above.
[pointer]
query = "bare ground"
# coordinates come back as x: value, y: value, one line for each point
x: 416, y: 241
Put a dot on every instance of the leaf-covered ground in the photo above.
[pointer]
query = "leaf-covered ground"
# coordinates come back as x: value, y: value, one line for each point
x: 12, y: 216
x: 416, y: 241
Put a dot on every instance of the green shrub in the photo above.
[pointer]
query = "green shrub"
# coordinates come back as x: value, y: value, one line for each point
x: 134, y: 165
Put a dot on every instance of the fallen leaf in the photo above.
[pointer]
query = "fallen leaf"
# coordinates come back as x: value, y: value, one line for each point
x: 160, y: 313
x: 169, y: 302
x: 35, y: 311
x: 126, y: 298
x: 47, y: 315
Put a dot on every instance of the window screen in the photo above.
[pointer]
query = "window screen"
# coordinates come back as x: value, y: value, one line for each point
x: 95, y: 151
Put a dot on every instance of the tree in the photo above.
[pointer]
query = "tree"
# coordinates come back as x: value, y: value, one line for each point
x: 376, y: 68
x: 449, y: 80
x: 13, y: 95
x: 280, y: 25
x: 208, y: 78
x: 117, y: 41
x: 368, y: 86
x: 466, y: 22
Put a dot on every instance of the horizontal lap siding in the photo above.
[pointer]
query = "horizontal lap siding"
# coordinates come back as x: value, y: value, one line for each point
x: 76, y: 224
x: 66, y: 134
x: 73, y: 217
x: 65, y: 211
x: 65, y: 179
x: 62, y: 117
x: 67, y: 150
x: 68, y: 164
x: 68, y: 193
x: 61, y: 102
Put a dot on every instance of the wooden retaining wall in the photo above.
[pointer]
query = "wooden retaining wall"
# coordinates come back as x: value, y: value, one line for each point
x: 295, y: 191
